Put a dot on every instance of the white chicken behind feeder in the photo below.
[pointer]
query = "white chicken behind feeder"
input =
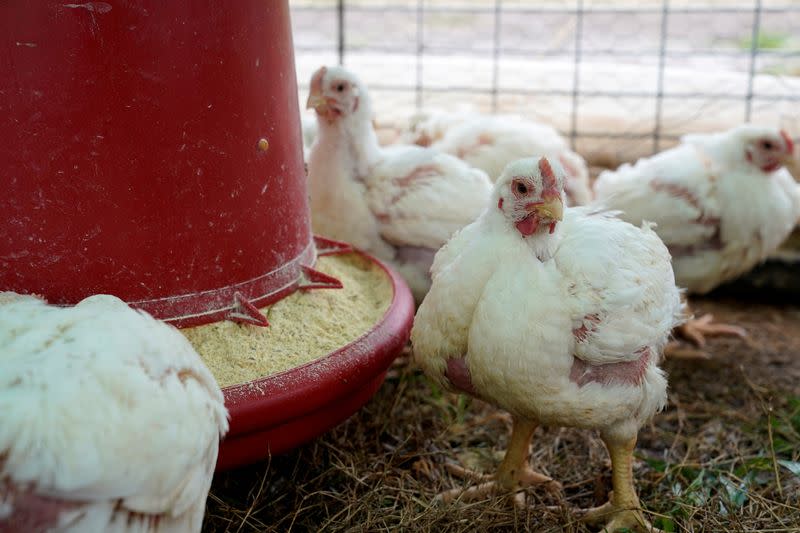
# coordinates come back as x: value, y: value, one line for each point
x: 721, y: 202
x: 109, y: 420
x: 489, y: 142
x: 400, y: 203
x: 559, y: 319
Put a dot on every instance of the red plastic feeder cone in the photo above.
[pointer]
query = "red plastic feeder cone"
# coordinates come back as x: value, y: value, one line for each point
x: 152, y: 150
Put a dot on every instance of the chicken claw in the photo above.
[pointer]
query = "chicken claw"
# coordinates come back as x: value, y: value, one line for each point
x: 696, y: 330
x: 628, y: 519
x: 498, y: 484
x: 622, y: 510
x: 678, y: 350
x: 512, y: 476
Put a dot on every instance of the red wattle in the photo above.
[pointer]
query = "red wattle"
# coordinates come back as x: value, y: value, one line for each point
x: 528, y: 225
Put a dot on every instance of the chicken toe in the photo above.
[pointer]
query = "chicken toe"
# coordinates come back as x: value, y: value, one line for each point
x: 498, y: 484
x: 622, y: 511
x: 696, y: 330
x: 679, y: 350
x: 513, y: 474
x: 613, y: 518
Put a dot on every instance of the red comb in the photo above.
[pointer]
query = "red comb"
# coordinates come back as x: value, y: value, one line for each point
x: 316, y: 81
x: 788, y: 141
x: 548, y: 176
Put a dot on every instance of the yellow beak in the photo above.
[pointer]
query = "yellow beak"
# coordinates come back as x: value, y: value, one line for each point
x: 315, y: 101
x: 552, y: 209
x: 792, y: 164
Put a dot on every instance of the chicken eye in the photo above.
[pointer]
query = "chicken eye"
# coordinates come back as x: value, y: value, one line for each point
x: 340, y: 87
x: 767, y: 145
x: 521, y: 188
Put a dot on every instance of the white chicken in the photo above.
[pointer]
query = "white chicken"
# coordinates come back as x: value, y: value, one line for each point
x: 488, y: 142
x: 427, y: 126
x: 400, y: 203
x: 308, y: 124
x: 560, y: 322
x: 721, y: 203
x: 109, y: 420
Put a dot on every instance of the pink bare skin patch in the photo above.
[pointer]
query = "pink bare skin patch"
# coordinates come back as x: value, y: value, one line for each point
x: 500, y: 204
x: 422, y: 171
x: 588, y: 327
x: 418, y: 174
x: 703, y: 219
x: 30, y: 511
x: 623, y: 373
x: 458, y: 374
x: 678, y: 192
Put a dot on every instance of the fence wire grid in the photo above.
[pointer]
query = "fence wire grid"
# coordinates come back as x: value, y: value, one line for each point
x: 597, y: 70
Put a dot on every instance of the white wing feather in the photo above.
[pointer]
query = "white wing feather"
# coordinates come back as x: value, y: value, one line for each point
x: 620, y: 285
x: 647, y: 191
x: 421, y: 197
x: 101, y: 403
x: 490, y: 142
x: 460, y: 271
x: 717, y: 216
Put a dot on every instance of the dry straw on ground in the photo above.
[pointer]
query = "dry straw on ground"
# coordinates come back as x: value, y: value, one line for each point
x: 720, y: 458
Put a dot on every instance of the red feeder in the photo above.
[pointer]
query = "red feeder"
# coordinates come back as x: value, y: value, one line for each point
x: 152, y: 150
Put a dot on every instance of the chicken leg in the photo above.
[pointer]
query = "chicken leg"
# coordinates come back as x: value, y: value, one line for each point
x: 695, y: 330
x: 623, y: 509
x: 513, y: 474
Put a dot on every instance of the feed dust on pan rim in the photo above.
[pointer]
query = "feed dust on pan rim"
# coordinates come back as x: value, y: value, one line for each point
x: 303, y: 326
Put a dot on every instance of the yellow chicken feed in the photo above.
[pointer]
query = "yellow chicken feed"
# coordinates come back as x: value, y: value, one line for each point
x: 303, y: 326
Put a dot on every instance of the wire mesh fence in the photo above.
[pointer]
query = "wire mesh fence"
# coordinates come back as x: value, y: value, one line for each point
x: 620, y: 79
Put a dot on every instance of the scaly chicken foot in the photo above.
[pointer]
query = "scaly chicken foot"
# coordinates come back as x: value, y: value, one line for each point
x: 513, y: 474
x: 695, y: 330
x: 622, y: 511
x: 625, y: 519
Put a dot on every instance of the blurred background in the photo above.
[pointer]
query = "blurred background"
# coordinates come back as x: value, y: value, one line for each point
x: 620, y: 79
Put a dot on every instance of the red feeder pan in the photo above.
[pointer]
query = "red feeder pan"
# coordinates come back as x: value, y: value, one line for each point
x: 152, y: 150
x: 274, y: 414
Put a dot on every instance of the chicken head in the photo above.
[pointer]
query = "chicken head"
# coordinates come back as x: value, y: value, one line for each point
x: 335, y: 93
x: 531, y: 196
x: 767, y: 148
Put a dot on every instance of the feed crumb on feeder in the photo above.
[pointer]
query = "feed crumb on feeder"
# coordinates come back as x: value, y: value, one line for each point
x: 263, y: 145
x: 303, y: 326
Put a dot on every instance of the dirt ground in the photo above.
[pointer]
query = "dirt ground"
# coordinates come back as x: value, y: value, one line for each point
x: 723, y: 456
